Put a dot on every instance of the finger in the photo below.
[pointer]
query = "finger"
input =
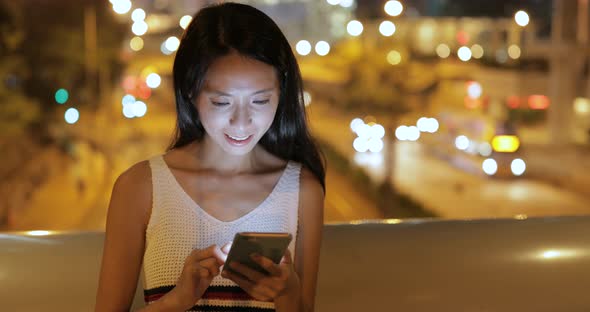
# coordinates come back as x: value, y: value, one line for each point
x: 259, y: 293
x: 246, y: 271
x: 226, y: 248
x: 267, y: 264
x: 212, y: 251
x: 210, y: 264
x: 199, y: 254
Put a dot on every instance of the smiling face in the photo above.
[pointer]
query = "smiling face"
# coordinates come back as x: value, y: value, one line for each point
x: 237, y: 103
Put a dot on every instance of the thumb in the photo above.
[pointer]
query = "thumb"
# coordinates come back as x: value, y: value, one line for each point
x: 226, y: 248
x: 287, y: 257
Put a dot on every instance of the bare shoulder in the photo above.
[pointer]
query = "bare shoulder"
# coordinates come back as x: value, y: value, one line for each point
x: 310, y: 185
x: 135, y: 178
x: 133, y: 191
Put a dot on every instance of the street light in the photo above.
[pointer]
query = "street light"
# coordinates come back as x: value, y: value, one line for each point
x: 522, y: 18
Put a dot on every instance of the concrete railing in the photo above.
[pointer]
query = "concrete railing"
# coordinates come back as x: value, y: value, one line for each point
x: 538, y: 264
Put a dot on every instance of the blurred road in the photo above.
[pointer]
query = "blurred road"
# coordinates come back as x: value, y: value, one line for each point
x: 76, y: 188
x: 445, y: 190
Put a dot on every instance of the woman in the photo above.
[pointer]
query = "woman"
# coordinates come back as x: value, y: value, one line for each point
x: 242, y: 160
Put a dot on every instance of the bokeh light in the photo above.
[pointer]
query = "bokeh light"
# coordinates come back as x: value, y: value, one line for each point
x: 185, y: 21
x: 61, y: 96
x: 138, y: 15
x: 172, y: 43
x: 322, y: 48
x: 521, y: 18
x: 394, y: 57
x: 443, y: 50
x: 393, y: 8
x: 477, y: 51
x: 354, y: 28
x: 387, y: 28
x: 303, y: 47
x: 136, y: 43
x: 464, y: 54
x: 71, y: 115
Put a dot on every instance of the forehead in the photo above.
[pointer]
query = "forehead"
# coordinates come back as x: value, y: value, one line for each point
x: 237, y: 72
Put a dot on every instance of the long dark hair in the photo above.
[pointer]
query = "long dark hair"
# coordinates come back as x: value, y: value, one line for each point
x: 214, y: 32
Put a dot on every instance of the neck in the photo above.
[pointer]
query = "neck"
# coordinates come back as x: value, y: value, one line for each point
x: 214, y: 158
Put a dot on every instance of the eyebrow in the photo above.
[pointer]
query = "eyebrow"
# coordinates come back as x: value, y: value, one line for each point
x: 227, y: 94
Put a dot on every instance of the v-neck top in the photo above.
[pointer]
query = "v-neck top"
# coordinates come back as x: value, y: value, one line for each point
x: 178, y: 225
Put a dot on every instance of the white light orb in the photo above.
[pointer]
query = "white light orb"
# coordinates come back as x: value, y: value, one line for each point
x: 517, y: 166
x: 138, y: 15
x: 72, y: 115
x: 153, y: 80
x: 387, y: 28
x: 401, y: 133
x: 474, y: 90
x: 172, y: 43
x: 393, y: 8
x: 139, y: 109
x: 322, y: 48
x: 413, y: 133
x: 139, y: 28
x: 360, y: 144
x: 464, y: 54
x: 377, y: 131
x: 346, y: 3
x: 354, y: 28
x: 122, y: 7
x: 462, y: 142
x: 128, y: 99
x: 185, y: 21
x: 521, y: 18
x: 375, y: 145
x: 423, y: 124
x: 432, y: 125
x: 355, y: 123
x: 303, y: 47
x: 489, y: 166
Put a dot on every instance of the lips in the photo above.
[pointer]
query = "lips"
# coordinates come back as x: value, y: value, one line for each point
x: 238, y: 140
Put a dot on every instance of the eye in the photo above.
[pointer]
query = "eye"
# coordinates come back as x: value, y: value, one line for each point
x: 261, y: 102
x: 219, y: 103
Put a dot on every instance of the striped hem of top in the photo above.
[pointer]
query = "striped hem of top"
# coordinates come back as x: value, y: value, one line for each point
x: 217, y: 298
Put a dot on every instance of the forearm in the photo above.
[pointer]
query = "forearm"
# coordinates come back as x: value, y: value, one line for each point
x: 291, y: 303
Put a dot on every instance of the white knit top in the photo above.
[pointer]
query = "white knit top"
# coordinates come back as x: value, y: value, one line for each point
x: 178, y: 225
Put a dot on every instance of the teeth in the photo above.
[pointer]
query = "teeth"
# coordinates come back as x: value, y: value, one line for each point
x: 238, y: 139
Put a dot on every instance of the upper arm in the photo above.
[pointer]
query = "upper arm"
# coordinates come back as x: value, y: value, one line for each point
x: 311, y: 220
x: 127, y: 217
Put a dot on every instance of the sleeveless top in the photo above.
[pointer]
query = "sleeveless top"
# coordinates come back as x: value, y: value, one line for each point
x: 178, y: 225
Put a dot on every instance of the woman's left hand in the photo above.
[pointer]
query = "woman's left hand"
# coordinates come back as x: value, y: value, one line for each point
x: 280, y: 280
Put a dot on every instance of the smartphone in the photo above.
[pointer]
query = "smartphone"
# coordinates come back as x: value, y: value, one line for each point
x: 269, y: 245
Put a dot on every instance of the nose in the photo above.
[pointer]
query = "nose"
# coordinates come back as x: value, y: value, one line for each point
x: 241, y: 116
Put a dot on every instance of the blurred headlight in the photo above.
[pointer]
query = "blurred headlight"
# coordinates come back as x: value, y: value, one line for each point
x: 505, y: 143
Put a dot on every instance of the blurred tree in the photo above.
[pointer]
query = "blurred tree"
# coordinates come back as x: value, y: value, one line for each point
x: 53, y: 55
x: 17, y: 111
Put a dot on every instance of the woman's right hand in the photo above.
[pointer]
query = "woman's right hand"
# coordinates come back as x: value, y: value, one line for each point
x: 200, y: 267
